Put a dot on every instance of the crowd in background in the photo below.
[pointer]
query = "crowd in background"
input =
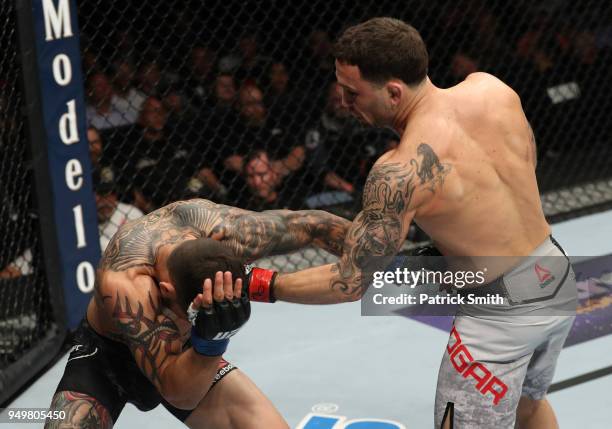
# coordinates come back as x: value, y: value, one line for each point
x: 258, y: 123
x: 234, y: 128
x: 264, y: 130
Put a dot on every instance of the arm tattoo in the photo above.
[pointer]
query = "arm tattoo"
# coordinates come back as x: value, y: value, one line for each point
x: 250, y: 234
x: 379, y: 229
x: 254, y: 235
x: 136, y: 243
x: 149, y: 339
x: 82, y: 411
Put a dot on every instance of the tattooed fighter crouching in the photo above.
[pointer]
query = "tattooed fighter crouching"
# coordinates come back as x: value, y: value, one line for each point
x: 464, y: 171
x: 136, y: 343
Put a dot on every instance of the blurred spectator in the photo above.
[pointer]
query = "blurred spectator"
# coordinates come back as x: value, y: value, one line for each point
x: 111, y: 212
x: 128, y: 100
x: 317, y: 63
x: 258, y: 130
x: 225, y: 93
x: 149, y: 78
x: 123, y: 45
x: 589, y: 62
x: 264, y: 185
x: 462, y: 65
x: 220, y: 122
x: 95, y: 146
x: 149, y: 192
x: 248, y: 62
x: 183, y: 118
x: 468, y: 39
x: 102, y: 110
x: 329, y: 147
x: 201, y: 74
x: 220, y: 109
x: 549, y: 84
x: 159, y: 163
x: 284, y: 99
x: 15, y: 229
x: 89, y: 58
x: 21, y: 266
x: 338, y: 155
x: 539, y: 48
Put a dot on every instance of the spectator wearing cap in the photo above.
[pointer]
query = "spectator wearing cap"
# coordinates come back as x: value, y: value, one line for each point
x: 112, y: 213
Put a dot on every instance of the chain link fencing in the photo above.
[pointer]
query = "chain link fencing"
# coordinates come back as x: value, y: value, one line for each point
x: 235, y: 101
x: 26, y: 316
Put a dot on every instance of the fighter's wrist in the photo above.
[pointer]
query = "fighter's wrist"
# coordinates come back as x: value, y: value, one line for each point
x: 207, y: 347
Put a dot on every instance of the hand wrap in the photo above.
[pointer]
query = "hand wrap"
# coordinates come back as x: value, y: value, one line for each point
x: 260, y: 285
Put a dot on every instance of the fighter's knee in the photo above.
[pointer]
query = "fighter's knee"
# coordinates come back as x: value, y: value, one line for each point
x: 78, y: 411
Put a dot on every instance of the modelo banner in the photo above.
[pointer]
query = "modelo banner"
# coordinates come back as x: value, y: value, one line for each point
x: 63, y: 109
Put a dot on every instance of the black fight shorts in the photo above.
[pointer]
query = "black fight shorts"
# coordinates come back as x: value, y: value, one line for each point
x: 106, y: 370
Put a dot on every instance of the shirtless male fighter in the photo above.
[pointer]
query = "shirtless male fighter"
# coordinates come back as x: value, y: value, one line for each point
x: 464, y: 171
x: 137, y: 344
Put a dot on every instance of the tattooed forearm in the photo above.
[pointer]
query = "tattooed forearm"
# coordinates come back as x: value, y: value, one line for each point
x: 81, y: 411
x: 150, y: 340
x: 293, y: 230
x: 378, y: 232
x: 253, y: 235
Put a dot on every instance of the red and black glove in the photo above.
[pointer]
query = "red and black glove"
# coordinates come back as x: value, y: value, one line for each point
x: 260, y: 284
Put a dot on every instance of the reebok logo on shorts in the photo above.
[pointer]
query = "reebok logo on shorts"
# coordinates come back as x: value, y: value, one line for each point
x: 464, y: 364
x: 545, y: 277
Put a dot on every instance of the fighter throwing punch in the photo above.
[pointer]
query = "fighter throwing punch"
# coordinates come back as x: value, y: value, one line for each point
x: 465, y: 172
x: 155, y: 329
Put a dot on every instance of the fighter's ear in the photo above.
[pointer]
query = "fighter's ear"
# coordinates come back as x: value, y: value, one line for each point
x: 395, y: 90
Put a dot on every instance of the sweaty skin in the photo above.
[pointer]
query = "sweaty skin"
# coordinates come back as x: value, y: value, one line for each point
x: 464, y: 171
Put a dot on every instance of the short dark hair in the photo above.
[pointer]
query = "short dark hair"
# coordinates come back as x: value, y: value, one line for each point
x: 193, y: 261
x: 383, y: 49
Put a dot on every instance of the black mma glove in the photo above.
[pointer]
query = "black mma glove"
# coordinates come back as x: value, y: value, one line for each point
x: 213, y: 326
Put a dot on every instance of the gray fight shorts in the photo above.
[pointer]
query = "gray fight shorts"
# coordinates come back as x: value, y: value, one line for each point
x: 498, y: 353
